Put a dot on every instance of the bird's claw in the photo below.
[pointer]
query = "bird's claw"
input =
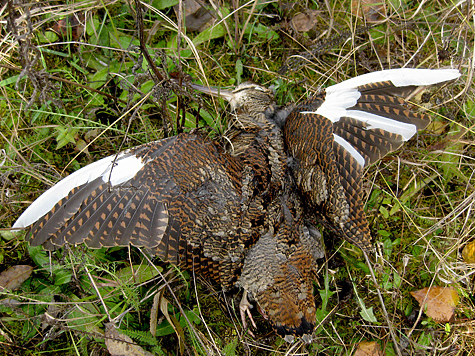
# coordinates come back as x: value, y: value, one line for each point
x: 245, y: 308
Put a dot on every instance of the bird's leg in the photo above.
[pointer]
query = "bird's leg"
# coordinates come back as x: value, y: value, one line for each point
x: 244, y: 307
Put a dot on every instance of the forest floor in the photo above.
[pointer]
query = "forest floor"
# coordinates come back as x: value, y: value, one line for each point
x: 74, y: 88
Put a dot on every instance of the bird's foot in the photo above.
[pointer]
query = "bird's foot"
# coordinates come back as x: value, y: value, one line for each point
x: 245, y: 308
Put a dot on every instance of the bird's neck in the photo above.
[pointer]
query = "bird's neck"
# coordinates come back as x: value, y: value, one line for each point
x: 278, y: 114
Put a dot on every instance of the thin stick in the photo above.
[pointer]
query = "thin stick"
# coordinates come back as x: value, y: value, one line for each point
x: 385, y: 313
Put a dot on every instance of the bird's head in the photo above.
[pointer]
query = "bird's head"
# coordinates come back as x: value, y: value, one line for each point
x: 248, y: 96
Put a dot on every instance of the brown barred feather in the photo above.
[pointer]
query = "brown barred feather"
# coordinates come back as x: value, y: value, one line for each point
x: 327, y: 175
x: 356, y: 228
x: 309, y: 140
x: 384, y: 99
x: 372, y: 144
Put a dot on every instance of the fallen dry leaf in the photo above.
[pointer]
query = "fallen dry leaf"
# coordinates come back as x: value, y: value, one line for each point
x: 304, y: 22
x: 368, y: 348
x: 172, y: 320
x: 72, y: 26
x: 13, y: 277
x: 119, y: 344
x: 437, y: 302
x: 437, y: 127
x: 154, y: 314
x: 197, y: 18
x: 371, y: 10
x: 468, y: 252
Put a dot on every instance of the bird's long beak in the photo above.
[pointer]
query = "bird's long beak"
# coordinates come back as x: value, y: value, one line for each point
x: 215, y: 91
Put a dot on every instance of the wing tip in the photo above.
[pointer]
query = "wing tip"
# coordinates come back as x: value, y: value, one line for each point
x: 400, y: 77
x: 27, y: 218
x: 19, y: 225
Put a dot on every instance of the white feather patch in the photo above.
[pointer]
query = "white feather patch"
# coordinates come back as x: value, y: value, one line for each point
x: 125, y: 168
x: 335, y: 104
x: 399, y: 77
x: 380, y: 122
x: 344, y: 95
x: 344, y: 143
x: 340, y: 97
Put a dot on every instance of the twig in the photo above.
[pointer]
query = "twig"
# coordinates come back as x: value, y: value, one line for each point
x: 66, y: 81
x: 385, y: 313
x: 143, y: 47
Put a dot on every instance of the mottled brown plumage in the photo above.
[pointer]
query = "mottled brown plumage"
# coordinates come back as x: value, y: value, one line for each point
x: 327, y: 175
x: 240, y: 213
x: 209, y: 210
x: 175, y: 208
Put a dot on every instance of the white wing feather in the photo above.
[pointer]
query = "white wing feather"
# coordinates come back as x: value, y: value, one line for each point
x: 124, y: 168
x: 340, y: 97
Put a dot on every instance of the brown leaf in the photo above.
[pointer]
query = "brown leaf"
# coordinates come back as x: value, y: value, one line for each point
x: 13, y: 277
x: 197, y: 18
x: 437, y: 127
x: 371, y: 10
x: 119, y: 344
x: 72, y: 25
x: 154, y: 314
x: 91, y: 134
x: 304, y: 22
x: 437, y: 302
x: 172, y: 320
x: 368, y: 348
x: 468, y: 252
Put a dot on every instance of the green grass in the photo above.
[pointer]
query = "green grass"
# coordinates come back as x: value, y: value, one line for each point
x: 88, y: 97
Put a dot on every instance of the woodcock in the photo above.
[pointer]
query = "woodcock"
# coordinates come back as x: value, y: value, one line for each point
x: 242, y: 214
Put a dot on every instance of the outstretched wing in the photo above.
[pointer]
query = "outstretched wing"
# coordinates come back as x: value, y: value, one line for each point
x: 353, y: 125
x: 179, y: 197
